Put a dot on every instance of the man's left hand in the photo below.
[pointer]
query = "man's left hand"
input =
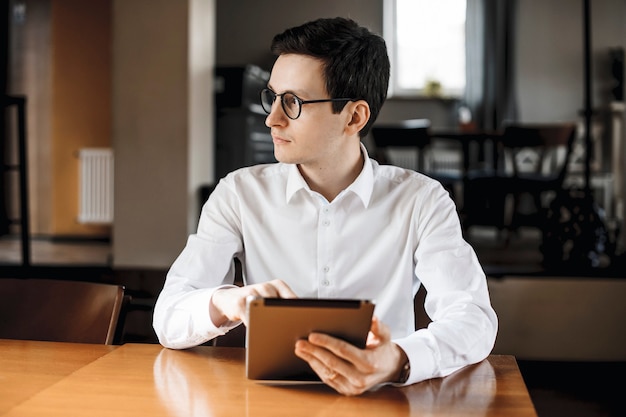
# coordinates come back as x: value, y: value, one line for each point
x: 348, y: 369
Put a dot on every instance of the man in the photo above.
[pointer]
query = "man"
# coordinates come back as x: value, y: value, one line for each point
x: 329, y: 222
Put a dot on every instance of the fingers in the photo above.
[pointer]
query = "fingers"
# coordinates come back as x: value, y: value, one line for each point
x: 346, y: 368
x: 329, y: 369
x: 341, y: 356
x: 271, y: 289
x: 330, y: 374
x: 280, y: 289
x: 230, y: 303
x: 334, y: 371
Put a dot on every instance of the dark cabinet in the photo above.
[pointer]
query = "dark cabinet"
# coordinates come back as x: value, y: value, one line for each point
x: 242, y: 139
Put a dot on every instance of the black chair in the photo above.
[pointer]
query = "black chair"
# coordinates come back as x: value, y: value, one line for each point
x: 402, y: 143
x: 408, y: 144
x: 459, y: 154
x: 532, y: 165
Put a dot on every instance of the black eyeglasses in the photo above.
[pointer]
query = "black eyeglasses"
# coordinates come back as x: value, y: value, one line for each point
x: 291, y: 103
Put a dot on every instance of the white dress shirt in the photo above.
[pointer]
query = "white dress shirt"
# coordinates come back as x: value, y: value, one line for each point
x: 389, y: 232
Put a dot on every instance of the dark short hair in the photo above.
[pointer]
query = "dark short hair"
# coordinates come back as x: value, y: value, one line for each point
x: 355, y: 60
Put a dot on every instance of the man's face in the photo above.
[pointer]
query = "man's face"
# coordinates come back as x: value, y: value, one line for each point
x: 314, y: 138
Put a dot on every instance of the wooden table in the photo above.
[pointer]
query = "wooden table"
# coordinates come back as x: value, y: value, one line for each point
x: 27, y: 368
x: 56, y: 379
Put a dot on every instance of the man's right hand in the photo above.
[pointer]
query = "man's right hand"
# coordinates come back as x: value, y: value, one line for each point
x: 229, y: 304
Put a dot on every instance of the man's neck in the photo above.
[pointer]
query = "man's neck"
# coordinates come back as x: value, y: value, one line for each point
x: 330, y: 180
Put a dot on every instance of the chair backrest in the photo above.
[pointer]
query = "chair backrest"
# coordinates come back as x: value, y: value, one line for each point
x: 402, y: 143
x: 539, y: 150
x: 61, y: 311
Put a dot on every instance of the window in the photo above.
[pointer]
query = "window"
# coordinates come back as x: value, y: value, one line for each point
x: 426, y: 42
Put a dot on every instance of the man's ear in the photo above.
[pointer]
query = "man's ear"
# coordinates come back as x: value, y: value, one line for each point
x: 359, y: 115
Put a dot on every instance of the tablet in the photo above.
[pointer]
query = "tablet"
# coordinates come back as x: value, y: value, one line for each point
x: 275, y: 324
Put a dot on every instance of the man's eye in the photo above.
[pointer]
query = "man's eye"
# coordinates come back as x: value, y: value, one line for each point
x: 291, y: 101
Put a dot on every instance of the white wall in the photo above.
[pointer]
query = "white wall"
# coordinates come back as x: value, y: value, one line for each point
x: 550, y: 56
x: 162, y: 125
x: 201, y: 63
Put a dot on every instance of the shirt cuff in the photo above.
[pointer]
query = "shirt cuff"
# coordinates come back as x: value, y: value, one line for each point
x: 202, y: 318
x: 421, y: 359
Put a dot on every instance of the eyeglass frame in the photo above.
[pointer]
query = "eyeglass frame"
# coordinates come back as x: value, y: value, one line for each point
x: 298, y: 99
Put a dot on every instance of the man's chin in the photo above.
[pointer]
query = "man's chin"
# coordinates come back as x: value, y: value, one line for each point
x: 285, y: 159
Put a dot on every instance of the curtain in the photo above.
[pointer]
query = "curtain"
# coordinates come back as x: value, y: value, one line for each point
x: 490, y: 40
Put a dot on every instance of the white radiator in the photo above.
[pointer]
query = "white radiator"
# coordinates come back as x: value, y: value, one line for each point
x: 402, y: 157
x: 95, y: 186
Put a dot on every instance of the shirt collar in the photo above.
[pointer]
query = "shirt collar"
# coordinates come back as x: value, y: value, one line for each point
x: 362, y: 185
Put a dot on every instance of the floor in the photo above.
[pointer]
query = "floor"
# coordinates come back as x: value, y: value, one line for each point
x: 60, y: 252
x: 518, y: 254
x: 575, y: 389
x: 557, y: 389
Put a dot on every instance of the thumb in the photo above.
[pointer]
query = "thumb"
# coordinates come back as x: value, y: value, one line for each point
x: 378, y: 334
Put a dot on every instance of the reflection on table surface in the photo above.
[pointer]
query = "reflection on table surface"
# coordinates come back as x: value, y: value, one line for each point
x: 146, y: 379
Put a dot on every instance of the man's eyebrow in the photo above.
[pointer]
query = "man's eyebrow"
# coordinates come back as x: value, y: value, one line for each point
x: 286, y: 91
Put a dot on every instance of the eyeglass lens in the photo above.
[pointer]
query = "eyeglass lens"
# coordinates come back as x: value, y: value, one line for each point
x: 289, y: 102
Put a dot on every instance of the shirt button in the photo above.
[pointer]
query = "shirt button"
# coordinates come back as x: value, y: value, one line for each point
x: 326, y: 283
x: 326, y: 269
x: 326, y: 223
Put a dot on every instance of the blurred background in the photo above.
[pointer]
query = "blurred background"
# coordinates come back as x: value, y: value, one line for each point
x: 121, y: 115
